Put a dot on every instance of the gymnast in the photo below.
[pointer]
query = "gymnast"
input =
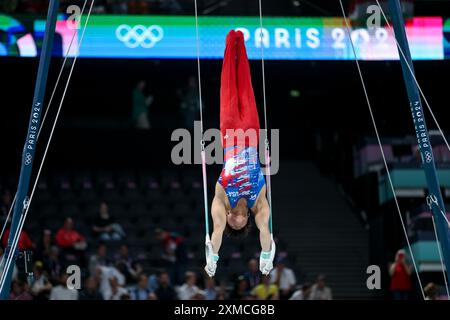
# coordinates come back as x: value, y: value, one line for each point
x: 241, y: 188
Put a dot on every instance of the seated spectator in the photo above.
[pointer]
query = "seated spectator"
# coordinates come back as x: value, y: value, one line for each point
x: 72, y: 243
x: 210, y: 291
x: 253, y: 275
x: 68, y: 237
x: 105, y: 227
x: 284, y: 278
x: 117, y: 291
x: 104, y: 275
x: 141, y: 291
x: 241, y: 289
x: 165, y: 291
x: 189, y: 291
x: 302, y: 293
x: 131, y: 269
x: 52, y: 264
x: 266, y: 290
x: 320, y: 291
x: 41, y: 286
x: 62, y: 292
x: 98, y: 259
x: 24, y: 243
x: 90, y: 290
x: 44, y: 246
x: 173, y: 254
x: 20, y: 291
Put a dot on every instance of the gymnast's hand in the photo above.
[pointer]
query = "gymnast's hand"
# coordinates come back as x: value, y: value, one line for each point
x: 211, y: 260
x: 266, y: 259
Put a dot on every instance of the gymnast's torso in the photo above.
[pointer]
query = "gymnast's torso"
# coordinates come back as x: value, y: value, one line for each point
x: 241, y: 176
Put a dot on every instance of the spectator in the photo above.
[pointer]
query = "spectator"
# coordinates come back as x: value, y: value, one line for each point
x: 253, y: 275
x: 210, y: 289
x: 20, y: 291
x: 165, y: 291
x: 189, y: 291
x: 53, y: 264
x: 62, y: 292
x: 173, y: 254
x: 44, y: 246
x: 141, y: 104
x: 284, y: 278
x: 131, y: 268
x: 400, y: 272
x: 98, y: 259
x: 105, y: 227
x: 431, y: 291
x: 24, y: 243
x: 41, y: 286
x: 141, y: 291
x: 302, y: 294
x: 72, y: 243
x: 117, y: 291
x: 68, y: 237
x: 240, y: 291
x: 104, y: 275
x: 266, y: 290
x: 189, y: 102
x: 90, y: 290
x: 320, y: 291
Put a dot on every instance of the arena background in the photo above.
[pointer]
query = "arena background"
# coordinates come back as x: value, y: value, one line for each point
x: 330, y: 214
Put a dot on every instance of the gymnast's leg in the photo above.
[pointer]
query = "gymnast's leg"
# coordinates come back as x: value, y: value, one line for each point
x: 247, y: 104
x: 229, y: 100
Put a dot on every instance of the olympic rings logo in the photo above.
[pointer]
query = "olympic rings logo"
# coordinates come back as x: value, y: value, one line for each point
x: 428, y: 156
x: 28, y: 158
x: 145, y: 37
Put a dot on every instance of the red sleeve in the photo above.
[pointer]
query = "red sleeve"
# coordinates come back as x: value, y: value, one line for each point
x: 61, y: 240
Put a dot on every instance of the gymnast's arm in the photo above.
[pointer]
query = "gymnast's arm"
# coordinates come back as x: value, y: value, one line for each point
x: 218, y: 213
x: 262, y: 214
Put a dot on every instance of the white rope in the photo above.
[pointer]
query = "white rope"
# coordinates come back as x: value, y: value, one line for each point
x: 199, y: 73
x: 415, y: 79
x: 202, y: 142
x: 263, y: 68
x: 381, y: 148
x: 266, y: 141
x: 23, y: 217
x: 45, y: 115
x: 440, y: 257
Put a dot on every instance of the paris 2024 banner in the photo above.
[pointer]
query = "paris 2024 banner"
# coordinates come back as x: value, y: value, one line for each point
x: 174, y: 37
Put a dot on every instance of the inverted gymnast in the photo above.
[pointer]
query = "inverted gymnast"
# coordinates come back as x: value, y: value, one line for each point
x: 241, y: 187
